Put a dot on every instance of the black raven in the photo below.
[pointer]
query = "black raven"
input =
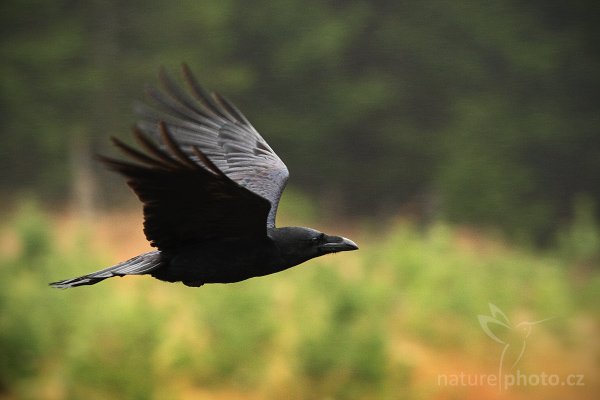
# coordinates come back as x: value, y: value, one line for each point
x: 210, y: 185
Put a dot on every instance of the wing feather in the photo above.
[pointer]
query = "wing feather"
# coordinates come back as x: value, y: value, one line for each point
x: 187, y: 202
x: 208, y: 124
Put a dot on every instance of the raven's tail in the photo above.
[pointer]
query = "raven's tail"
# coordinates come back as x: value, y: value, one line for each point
x: 139, y: 265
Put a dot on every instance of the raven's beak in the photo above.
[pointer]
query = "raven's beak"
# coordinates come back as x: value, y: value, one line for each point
x: 338, y: 243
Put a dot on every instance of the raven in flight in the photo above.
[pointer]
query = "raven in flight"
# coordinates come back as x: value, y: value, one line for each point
x: 210, y: 186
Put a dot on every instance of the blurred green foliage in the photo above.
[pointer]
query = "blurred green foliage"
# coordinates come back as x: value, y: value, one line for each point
x: 480, y: 112
x: 580, y: 243
x: 337, y: 327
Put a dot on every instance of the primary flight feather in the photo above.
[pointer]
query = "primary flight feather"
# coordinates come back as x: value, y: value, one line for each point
x: 210, y: 186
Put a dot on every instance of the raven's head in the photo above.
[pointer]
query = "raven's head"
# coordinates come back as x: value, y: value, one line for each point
x: 297, y: 244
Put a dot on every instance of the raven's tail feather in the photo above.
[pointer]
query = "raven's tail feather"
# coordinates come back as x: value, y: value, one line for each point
x: 138, y: 265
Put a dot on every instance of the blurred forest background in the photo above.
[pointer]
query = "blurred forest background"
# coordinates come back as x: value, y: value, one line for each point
x: 459, y: 141
x: 482, y: 114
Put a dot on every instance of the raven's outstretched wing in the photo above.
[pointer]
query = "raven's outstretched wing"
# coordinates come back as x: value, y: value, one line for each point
x: 187, y: 200
x: 215, y: 126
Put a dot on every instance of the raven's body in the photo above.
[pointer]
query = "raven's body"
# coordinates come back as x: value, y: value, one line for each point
x: 232, y: 261
x: 220, y: 262
x: 210, y: 185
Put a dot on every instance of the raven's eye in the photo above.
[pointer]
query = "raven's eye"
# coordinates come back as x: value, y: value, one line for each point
x: 319, y: 238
